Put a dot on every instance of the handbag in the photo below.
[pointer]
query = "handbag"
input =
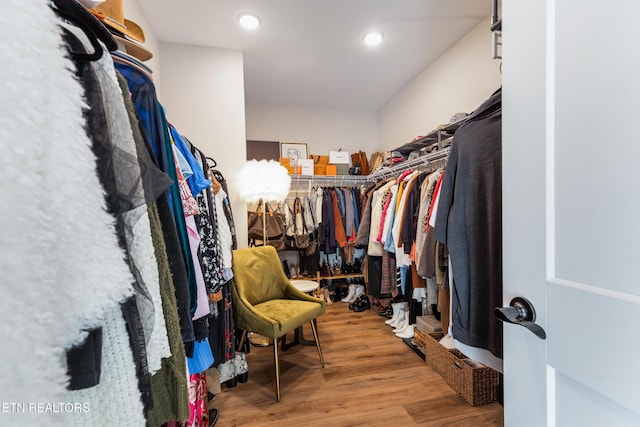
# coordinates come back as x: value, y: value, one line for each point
x: 359, y: 159
x: 278, y: 244
x: 313, y: 239
x: 312, y: 248
x: 275, y: 224
x: 301, y: 235
x: 275, y: 227
x: 289, y: 225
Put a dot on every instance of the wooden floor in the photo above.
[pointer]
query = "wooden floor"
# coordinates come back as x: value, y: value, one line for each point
x: 370, y: 378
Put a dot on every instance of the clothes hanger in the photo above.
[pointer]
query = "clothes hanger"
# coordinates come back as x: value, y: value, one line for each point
x: 212, y: 160
x: 77, y: 14
x: 214, y: 172
x: 132, y: 59
x: 124, y: 61
x: 83, y: 56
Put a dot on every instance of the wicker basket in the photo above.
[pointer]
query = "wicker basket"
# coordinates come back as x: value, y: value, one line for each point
x: 477, y: 385
x: 419, y: 339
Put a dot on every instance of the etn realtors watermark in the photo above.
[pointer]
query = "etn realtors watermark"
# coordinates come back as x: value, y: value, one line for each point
x: 44, y: 407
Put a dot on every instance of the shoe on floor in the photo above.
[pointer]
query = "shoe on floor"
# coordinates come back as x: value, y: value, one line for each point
x: 214, y: 414
x: 361, y: 304
x: 407, y: 333
x: 387, y: 312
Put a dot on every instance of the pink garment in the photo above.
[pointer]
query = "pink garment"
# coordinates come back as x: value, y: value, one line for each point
x: 189, y: 204
x: 198, y: 401
x: 404, y: 175
x: 190, y: 208
x: 384, y: 215
x: 202, y: 304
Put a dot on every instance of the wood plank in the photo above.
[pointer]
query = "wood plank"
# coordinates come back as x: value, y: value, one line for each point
x: 370, y: 378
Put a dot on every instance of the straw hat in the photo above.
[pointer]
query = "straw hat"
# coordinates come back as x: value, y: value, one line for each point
x: 125, y: 31
x: 111, y: 13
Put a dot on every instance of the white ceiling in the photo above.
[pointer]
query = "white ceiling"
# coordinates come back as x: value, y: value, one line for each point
x: 310, y: 52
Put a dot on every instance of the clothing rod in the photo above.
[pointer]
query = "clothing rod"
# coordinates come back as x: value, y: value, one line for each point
x: 420, y: 162
x: 336, y: 180
x: 298, y: 181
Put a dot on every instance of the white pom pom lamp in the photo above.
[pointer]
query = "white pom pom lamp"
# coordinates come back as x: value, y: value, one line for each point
x: 263, y: 181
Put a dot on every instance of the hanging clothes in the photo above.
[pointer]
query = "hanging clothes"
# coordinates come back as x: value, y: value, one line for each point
x: 375, y: 247
x: 125, y: 367
x: 469, y: 221
x: 210, y: 253
x: 428, y: 189
x: 154, y: 122
x: 72, y: 250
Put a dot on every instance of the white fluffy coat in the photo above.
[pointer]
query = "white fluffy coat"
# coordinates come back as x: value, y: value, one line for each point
x: 61, y: 269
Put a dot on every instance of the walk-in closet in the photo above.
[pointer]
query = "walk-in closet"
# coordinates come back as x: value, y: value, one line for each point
x: 319, y: 213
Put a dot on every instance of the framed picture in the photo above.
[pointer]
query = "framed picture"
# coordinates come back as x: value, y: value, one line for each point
x: 293, y: 151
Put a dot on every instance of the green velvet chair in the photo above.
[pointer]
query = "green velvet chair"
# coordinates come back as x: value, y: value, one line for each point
x: 265, y: 301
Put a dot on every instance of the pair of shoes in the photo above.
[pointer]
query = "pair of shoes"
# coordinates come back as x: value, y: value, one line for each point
x: 400, y: 315
x: 403, y: 328
x: 323, y: 294
x: 361, y: 303
x: 354, y: 292
x: 242, y: 368
x: 353, y: 303
x: 387, y: 312
x: 339, y: 293
x: 214, y: 414
x: 295, y: 271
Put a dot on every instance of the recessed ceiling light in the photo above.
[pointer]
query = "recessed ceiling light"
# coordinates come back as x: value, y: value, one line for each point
x: 373, y: 38
x: 249, y: 21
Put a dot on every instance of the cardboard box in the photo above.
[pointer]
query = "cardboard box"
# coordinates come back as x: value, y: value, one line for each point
x: 428, y: 324
x: 331, y: 170
x: 306, y: 167
x: 319, y: 169
x: 319, y: 160
x: 339, y: 157
x: 284, y: 162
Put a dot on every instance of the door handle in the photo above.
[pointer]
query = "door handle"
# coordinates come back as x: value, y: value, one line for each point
x: 521, y: 313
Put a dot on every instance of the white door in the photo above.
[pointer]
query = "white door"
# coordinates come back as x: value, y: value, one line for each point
x: 571, y: 210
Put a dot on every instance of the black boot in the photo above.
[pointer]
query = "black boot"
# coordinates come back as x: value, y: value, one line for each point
x: 362, y: 303
x: 232, y: 383
x: 436, y: 313
x: 214, y: 414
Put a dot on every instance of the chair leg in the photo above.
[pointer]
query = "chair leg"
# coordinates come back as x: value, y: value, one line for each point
x: 242, y: 337
x: 315, y: 336
x: 275, y: 358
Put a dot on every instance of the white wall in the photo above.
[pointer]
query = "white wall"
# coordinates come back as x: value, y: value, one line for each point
x: 133, y: 12
x: 202, y: 91
x: 458, y: 81
x: 323, y: 129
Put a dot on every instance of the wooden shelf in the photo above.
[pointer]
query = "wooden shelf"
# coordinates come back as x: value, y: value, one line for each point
x: 320, y: 278
x: 365, y: 275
